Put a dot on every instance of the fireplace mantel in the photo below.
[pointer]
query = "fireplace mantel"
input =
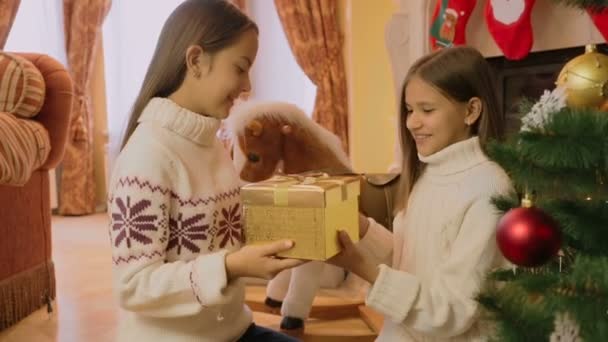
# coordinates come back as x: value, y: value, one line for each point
x: 554, y: 26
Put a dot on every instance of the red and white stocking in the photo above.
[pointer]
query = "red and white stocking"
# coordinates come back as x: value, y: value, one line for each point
x: 600, y: 19
x: 449, y: 22
x: 509, y: 24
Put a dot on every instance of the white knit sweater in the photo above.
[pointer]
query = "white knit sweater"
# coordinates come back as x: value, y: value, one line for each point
x: 175, y: 212
x: 442, y: 247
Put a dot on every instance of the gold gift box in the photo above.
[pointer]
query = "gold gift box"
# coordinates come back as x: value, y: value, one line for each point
x: 306, y: 209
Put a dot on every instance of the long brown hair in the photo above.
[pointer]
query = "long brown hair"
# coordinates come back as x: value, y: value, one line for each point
x: 212, y: 24
x: 459, y: 73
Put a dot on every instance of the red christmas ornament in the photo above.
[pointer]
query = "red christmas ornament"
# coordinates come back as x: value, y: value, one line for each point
x: 527, y: 236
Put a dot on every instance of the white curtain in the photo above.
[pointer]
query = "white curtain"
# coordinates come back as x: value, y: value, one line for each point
x: 276, y: 74
x: 38, y: 28
x: 130, y: 33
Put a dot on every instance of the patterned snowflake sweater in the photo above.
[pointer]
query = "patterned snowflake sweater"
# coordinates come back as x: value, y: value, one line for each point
x: 175, y: 213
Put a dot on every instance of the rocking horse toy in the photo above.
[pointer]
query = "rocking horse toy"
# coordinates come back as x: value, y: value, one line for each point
x: 275, y: 137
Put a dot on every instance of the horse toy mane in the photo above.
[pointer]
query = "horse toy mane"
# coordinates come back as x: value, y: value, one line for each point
x: 278, y: 137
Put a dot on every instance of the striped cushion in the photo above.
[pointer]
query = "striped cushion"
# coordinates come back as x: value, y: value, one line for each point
x: 21, y: 86
x: 24, y: 147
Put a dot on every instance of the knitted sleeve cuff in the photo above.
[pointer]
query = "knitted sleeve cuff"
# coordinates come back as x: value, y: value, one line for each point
x: 209, y: 281
x: 393, y: 293
x: 377, y: 242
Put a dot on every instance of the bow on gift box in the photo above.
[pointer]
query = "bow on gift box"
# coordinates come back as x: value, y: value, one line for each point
x: 309, y: 190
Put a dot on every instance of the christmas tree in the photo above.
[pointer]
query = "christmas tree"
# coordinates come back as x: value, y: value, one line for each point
x: 558, y: 234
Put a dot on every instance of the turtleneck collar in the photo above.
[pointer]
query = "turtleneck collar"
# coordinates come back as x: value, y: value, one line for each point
x: 200, y: 129
x: 455, y: 158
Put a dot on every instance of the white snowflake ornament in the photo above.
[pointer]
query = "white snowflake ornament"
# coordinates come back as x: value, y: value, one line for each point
x: 540, y: 114
x: 566, y: 329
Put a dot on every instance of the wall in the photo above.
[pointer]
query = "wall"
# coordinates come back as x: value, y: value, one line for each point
x: 370, y: 84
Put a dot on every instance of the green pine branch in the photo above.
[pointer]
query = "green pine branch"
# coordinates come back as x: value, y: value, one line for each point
x: 558, y: 182
x: 590, y: 274
x: 506, y: 203
x: 584, y: 224
x: 587, y: 276
x: 580, y: 123
x: 587, y: 297
x: 518, y: 314
x: 568, y: 159
x: 525, y: 302
x: 562, y: 151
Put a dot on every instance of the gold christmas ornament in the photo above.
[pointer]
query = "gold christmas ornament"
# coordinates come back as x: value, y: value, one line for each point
x: 585, y: 79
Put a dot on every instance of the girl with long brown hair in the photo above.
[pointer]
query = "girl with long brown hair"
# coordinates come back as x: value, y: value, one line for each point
x: 174, y: 206
x: 426, y: 273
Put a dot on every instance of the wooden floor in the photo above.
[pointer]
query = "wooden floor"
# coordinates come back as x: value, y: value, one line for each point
x: 85, y: 309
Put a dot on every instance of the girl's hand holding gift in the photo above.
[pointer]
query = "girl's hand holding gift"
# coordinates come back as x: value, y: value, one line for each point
x: 363, y: 225
x: 351, y: 259
x: 259, y: 261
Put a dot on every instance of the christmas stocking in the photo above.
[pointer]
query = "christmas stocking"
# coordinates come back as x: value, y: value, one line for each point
x: 449, y: 22
x: 509, y: 24
x: 600, y: 19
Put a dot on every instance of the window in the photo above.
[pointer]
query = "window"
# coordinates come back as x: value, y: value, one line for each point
x: 276, y: 74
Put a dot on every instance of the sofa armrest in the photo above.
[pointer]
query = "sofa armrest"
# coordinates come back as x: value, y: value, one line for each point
x: 57, y: 108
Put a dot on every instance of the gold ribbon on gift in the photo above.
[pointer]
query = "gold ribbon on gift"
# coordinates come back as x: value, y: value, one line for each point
x: 281, y: 191
x: 301, y: 190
